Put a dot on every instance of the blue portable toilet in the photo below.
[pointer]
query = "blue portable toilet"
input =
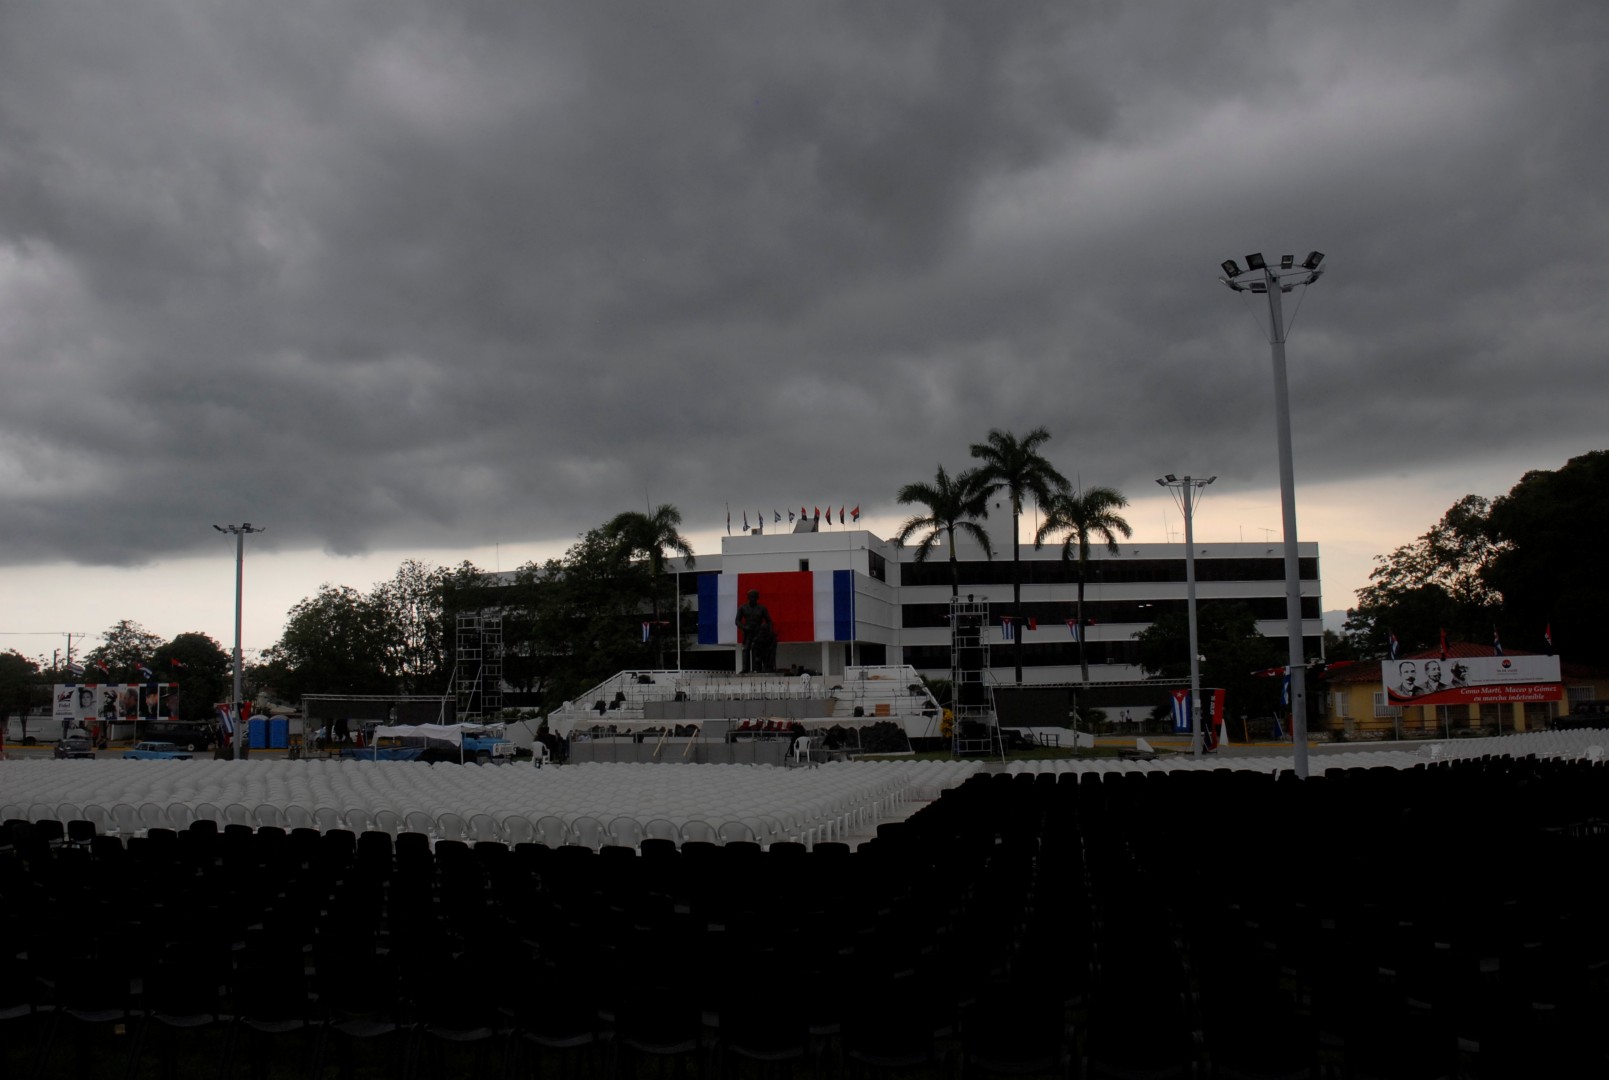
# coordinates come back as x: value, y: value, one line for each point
x: 279, y: 730
x: 257, y: 732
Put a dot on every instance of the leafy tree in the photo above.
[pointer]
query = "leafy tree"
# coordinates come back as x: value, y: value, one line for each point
x: 203, y: 672
x: 1234, y: 650
x: 1082, y: 516
x: 124, y: 648
x: 1016, y: 466
x: 951, y: 505
x: 415, y: 602
x: 1436, y: 583
x: 652, y: 535
x: 585, y: 616
x: 340, y: 641
x: 1547, y: 561
x: 21, y: 687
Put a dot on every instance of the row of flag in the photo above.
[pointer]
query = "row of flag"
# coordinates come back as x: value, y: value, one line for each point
x: 1008, y: 627
x: 845, y: 516
x: 1497, y: 642
x: 77, y: 670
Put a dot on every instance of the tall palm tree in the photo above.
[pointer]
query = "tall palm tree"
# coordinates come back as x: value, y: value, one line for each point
x: 1017, y: 467
x: 652, y: 535
x: 1084, y: 515
x: 951, y: 505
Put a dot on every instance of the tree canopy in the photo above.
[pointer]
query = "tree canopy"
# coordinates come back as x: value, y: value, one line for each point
x: 1516, y: 565
x: 951, y: 506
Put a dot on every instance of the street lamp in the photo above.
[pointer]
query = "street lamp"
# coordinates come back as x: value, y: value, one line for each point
x: 242, y: 736
x: 1187, y: 492
x: 1259, y: 277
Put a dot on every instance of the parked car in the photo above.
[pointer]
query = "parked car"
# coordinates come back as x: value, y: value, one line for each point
x: 191, y: 736
x: 75, y: 746
x: 153, y: 750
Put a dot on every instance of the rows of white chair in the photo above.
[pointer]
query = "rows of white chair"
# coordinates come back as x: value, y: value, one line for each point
x: 588, y: 804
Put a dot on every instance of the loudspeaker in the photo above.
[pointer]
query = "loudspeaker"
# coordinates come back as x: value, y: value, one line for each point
x: 970, y: 658
x: 970, y: 693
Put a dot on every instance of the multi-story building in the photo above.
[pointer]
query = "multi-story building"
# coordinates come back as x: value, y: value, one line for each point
x: 846, y: 597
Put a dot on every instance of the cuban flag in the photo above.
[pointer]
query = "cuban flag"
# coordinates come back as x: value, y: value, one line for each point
x: 647, y: 629
x: 805, y: 605
x: 1008, y: 632
x: 1497, y: 643
x: 104, y: 669
x: 145, y: 672
x: 1547, y: 636
x: 226, y: 720
x: 1391, y: 643
x: 1072, y: 628
x: 75, y: 669
x: 1181, y: 712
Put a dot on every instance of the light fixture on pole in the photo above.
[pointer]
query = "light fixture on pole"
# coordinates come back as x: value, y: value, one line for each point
x: 1187, y: 492
x: 242, y: 739
x: 1259, y: 277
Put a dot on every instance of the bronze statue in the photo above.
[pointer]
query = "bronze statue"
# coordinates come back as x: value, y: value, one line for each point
x: 759, y: 635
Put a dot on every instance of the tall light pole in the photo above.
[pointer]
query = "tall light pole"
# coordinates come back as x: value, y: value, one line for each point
x: 1187, y: 492
x: 1259, y: 277
x: 242, y: 739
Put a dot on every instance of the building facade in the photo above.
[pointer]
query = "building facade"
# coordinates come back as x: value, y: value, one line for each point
x: 847, y: 597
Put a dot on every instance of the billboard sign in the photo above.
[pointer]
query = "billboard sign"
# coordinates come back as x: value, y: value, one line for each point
x: 107, y: 702
x: 1471, y: 680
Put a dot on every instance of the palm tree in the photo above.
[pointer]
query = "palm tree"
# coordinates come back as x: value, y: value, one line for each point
x: 951, y: 505
x: 651, y: 535
x: 1087, y: 514
x: 1016, y: 466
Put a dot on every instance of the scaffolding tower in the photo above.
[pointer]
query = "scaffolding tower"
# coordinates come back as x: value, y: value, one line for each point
x: 478, y: 681
x: 976, y: 728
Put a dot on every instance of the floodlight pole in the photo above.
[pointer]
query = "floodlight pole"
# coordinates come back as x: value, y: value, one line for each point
x: 1265, y: 278
x: 1188, y: 491
x: 242, y: 735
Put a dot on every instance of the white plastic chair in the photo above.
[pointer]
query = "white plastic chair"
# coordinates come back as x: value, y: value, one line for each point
x: 552, y: 831
x: 517, y: 829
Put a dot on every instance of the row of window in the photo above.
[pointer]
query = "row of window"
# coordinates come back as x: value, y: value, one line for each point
x: 1104, y: 571
x: 1056, y: 612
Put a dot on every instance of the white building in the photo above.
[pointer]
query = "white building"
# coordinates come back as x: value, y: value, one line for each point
x: 846, y: 597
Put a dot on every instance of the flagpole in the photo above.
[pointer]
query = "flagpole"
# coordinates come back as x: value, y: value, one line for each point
x: 242, y: 731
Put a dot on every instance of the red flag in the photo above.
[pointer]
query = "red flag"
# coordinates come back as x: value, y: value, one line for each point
x: 802, y: 514
x: 1033, y: 623
x: 855, y: 514
x: 1444, y: 644
x: 176, y: 662
x: 818, y: 513
x: 1547, y: 636
x: 840, y: 515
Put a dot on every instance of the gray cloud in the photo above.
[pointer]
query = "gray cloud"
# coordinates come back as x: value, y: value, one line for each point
x: 393, y: 274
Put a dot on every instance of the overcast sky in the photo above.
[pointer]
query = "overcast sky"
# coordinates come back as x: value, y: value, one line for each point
x: 463, y: 279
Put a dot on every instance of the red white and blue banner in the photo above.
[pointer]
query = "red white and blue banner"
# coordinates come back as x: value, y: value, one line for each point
x: 1472, y: 680
x: 805, y: 605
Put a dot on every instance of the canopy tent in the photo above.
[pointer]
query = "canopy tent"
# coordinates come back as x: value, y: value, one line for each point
x: 453, y: 733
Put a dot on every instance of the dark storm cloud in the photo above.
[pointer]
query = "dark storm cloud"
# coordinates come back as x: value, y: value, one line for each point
x: 394, y: 274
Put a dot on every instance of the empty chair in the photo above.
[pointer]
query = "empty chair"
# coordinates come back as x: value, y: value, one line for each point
x: 450, y: 826
x: 127, y: 819
x: 660, y: 829
x: 153, y: 816
x: 626, y: 831
x: 358, y: 819
x: 517, y: 829
x: 729, y: 831
x: 41, y: 812
x: 235, y: 814
x: 299, y: 817
x: 99, y: 817
x: 587, y: 832
x: 326, y: 818
x: 207, y: 811
x: 181, y: 815
x: 420, y: 822
x: 700, y: 832
x: 267, y: 814
x: 483, y: 827
x: 68, y: 812
x: 551, y: 831
x: 388, y: 821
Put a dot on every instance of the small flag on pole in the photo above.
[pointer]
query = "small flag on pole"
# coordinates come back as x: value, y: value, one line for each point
x: 1444, y: 643
x: 145, y: 672
x: 1547, y: 636
x: 745, y: 521
x: 1033, y: 622
x: 840, y: 515
x: 104, y: 669
x: 1391, y: 643
x: 1072, y: 628
x: 1497, y: 643
x: 174, y: 661
x: 728, y: 519
x: 75, y: 668
x: 647, y: 628
x: 1007, y: 631
x: 790, y: 517
x: 854, y: 515
x: 226, y: 719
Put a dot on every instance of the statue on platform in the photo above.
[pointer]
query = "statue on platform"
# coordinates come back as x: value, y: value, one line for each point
x: 759, y: 635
